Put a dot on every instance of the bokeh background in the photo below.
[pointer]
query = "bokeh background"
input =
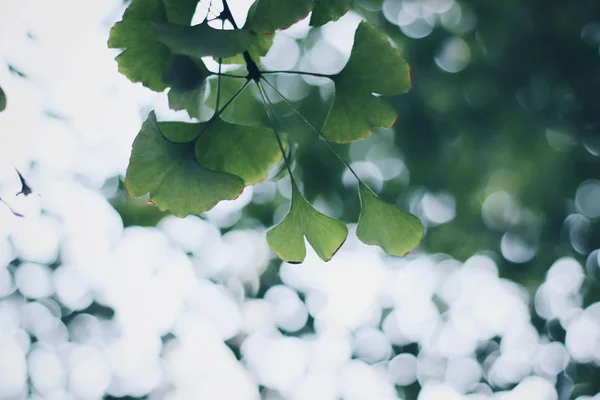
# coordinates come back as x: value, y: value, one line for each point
x: 496, y: 149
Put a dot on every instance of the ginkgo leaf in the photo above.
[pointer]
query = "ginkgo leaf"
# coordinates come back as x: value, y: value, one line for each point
x: 267, y: 16
x: 395, y: 231
x: 187, y: 77
x: 180, y: 11
x: 325, y: 11
x: 173, y: 177
x: 259, y: 48
x: 2, y: 100
x: 143, y: 59
x: 202, y: 40
x: 245, y: 151
x: 325, y: 234
x: 375, y: 66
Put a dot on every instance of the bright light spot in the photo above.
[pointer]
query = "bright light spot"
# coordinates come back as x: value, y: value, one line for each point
x: 403, y: 369
x: 371, y: 345
x: 290, y: 312
x: 587, y: 198
x: 438, y: 208
x: 454, y: 55
x: 517, y: 250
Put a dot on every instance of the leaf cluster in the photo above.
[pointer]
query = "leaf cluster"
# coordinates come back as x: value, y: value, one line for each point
x: 187, y: 168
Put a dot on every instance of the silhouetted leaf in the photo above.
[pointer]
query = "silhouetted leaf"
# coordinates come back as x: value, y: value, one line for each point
x: 325, y: 234
x: 2, y: 100
x: 325, y: 11
x: 173, y: 177
x: 25, y: 188
x: 375, y: 66
x: 381, y: 224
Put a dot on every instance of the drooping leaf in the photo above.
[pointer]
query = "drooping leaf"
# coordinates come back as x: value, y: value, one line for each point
x: 202, y: 40
x: 143, y: 59
x: 325, y: 234
x: 2, y: 100
x: 187, y: 77
x: 395, y: 231
x: 267, y: 16
x: 173, y: 177
x: 375, y: 66
x: 325, y: 11
x: 245, y: 151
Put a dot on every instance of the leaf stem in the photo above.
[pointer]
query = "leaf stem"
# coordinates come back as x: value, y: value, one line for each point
x: 317, y: 131
x: 219, y: 112
x: 269, y: 110
x: 298, y: 73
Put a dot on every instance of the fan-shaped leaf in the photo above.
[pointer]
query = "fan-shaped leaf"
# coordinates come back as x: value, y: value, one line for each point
x: 186, y: 77
x: 2, y: 100
x: 173, y: 177
x: 325, y: 11
x: 267, y: 16
x: 202, y: 40
x: 325, y: 234
x: 375, y: 66
x: 381, y: 224
x: 180, y: 11
x: 245, y: 151
x: 143, y: 59
x: 259, y: 48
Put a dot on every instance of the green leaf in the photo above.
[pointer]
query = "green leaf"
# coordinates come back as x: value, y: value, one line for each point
x: 259, y: 48
x: 395, y: 231
x: 202, y: 40
x: 325, y: 234
x: 173, y: 177
x: 143, y: 60
x: 267, y: 16
x: 328, y: 10
x: 2, y: 100
x: 245, y: 151
x: 375, y: 66
x: 180, y: 11
x: 187, y: 78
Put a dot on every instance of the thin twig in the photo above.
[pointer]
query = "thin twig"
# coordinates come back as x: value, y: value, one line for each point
x: 317, y: 131
x: 298, y: 73
x: 219, y: 112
